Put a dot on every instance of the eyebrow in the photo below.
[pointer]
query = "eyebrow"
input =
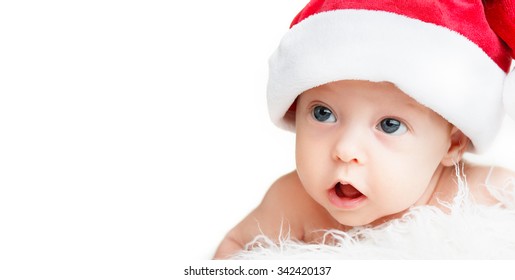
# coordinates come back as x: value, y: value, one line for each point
x: 412, y: 104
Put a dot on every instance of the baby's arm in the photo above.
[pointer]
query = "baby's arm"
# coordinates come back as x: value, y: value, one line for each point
x: 231, y: 244
x: 273, y: 217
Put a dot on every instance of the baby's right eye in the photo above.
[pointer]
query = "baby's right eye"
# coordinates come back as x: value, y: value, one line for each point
x: 323, y: 114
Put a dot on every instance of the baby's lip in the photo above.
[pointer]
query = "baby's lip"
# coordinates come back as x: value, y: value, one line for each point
x: 342, y: 182
x: 345, y: 195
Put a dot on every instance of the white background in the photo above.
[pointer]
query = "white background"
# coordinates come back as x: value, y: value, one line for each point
x: 136, y: 133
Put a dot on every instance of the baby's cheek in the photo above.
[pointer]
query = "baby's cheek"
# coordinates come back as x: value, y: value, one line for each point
x: 399, y: 188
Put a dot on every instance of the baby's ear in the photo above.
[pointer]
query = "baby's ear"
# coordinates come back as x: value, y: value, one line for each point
x: 458, y: 146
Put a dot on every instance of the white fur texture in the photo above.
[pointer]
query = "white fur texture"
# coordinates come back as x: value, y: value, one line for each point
x: 467, y: 231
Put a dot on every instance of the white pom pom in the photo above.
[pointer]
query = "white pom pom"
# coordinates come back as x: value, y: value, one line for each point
x: 509, y: 94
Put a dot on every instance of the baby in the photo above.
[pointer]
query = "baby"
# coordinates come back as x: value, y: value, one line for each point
x: 384, y: 99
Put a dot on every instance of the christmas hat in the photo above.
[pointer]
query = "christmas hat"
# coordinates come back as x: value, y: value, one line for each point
x: 451, y: 56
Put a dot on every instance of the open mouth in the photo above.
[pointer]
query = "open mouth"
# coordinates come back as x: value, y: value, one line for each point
x: 346, y: 196
x: 346, y: 191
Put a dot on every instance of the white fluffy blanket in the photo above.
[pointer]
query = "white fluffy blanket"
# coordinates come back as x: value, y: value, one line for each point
x: 466, y: 231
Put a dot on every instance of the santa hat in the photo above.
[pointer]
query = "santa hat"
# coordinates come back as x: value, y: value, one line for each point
x: 451, y: 56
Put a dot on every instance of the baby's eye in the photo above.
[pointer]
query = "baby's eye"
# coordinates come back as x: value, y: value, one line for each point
x: 392, y: 126
x: 323, y: 114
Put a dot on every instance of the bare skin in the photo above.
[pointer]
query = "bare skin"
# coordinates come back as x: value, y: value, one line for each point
x: 392, y: 151
x: 287, y: 208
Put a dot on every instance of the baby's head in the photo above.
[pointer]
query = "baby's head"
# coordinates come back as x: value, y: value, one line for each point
x: 443, y: 54
x: 386, y: 93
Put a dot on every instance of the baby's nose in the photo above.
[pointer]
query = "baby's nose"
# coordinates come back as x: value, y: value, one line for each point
x: 350, y: 147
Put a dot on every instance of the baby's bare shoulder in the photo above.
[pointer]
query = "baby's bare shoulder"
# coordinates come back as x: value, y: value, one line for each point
x: 269, y: 218
x: 304, y: 214
x: 481, y: 177
x: 287, y: 186
x: 288, y: 197
x: 279, y: 212
x: 286, y: 211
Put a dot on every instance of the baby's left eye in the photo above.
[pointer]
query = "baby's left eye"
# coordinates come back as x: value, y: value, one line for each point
x: 392, y: 126
x: 323, y: 114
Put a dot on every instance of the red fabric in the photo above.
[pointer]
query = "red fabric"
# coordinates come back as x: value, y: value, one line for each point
x: 501, y: 17
x: 466, y: 17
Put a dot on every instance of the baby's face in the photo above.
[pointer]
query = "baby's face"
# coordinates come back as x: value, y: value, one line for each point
x: 367, y: 150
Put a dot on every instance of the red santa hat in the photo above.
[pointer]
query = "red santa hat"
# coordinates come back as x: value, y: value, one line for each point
x: 451, y: 56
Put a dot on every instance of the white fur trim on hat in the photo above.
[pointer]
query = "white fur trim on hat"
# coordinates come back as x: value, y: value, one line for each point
x: 509, y: 94
x: 439, y: 68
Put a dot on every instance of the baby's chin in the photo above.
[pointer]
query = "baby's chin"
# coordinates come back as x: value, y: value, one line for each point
x: 352, y: 220
x: 355, y: 220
